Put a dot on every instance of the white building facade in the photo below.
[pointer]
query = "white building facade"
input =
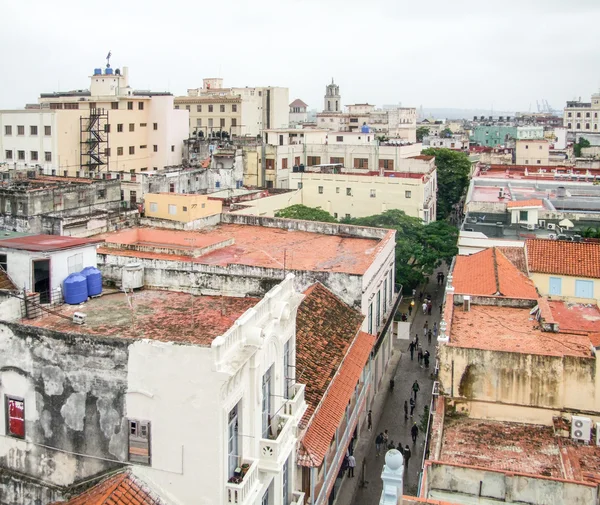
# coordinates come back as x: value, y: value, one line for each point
x: 83, y: 133
x: 583, y: 116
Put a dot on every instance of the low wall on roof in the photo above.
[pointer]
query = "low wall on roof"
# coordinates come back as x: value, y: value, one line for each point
x: 507, y: 487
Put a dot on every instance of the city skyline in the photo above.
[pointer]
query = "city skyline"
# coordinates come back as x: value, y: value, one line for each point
x: 449, y: 56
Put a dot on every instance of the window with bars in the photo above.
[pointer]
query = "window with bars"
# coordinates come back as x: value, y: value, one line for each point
x: 15, y: 416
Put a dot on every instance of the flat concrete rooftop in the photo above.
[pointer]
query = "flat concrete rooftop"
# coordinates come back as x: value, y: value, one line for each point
x: 516, y: 447
x: 260, y: 246
x: 509, y: 329
x: 158, y: 315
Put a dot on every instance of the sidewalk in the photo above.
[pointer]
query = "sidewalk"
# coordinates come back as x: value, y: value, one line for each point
x: 388, y: 411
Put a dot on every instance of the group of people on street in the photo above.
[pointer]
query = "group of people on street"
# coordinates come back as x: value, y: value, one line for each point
x: 382, y: 442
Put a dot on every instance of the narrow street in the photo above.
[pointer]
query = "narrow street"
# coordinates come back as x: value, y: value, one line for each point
x: 392, y: 416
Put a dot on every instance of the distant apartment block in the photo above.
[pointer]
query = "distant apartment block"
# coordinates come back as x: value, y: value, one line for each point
x: 108, y: 127
x: 583, y: 116
x: 236, y: 111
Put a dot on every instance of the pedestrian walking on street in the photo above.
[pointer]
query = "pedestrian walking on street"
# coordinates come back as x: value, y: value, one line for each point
x: 391, y: 445
x: 369, y: 421
x: 435, y: 329
x: 416, y: 340
x: 439, y: 278
x: 442, y: 277
x: 420, y: 356
x: 424, y: 306
x: 412, y: 407
x: 414, y: 293
x: 411, y: 348
x: 386, y: 437
x: 351, y: 465
x: 410, y: 306
x: 406, y: 455
x: 414, y: 432
x: 421, y: 296
x: 406, y: 410
x: 429, y: 307
x: 426, y: 359
x: 429, y: 334
x: 416, y: 389
x: 400, y: 447
x: 441, y: 308
x: 378, y: 442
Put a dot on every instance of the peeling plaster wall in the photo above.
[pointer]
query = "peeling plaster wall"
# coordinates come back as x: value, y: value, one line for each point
x: 233, y: 280
x: 519, y: 379
x: 509, y: 488
x: 74, y: 391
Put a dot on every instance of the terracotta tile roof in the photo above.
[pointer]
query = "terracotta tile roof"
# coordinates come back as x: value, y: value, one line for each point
x: 298, y: 103
x: 120, y: 489
x: 518, y: 448
x: 46, y: 243
x: 327, y: 418
x: 166, y: 316
x: 575, y: 317
x: 595, y: 339
x: 325, y: 329
x: 559, y: 257
x: 516, y: 255
x: 507, y: 329
x: 525, y: 203
x: 490, y: 272
x: 259, y: 246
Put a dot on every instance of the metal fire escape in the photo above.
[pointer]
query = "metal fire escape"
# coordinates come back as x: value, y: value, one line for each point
x: 94, y: 141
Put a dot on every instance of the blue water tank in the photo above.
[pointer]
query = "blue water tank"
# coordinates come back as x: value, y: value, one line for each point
x: 94, y: 280
x: 97, y: 71
x: 75, y: 289
x: 364, y: 128
x: 108, y: 71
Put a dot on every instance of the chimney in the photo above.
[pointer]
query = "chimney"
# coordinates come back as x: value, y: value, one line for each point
x: 466, y: 303
x: 392, y: 477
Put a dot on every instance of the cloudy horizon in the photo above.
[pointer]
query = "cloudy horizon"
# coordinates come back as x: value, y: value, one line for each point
x: 436, y: 55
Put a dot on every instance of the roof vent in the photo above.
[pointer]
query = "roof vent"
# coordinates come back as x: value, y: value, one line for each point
x: 466, y: 303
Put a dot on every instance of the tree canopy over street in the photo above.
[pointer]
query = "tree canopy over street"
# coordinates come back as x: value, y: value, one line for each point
x: 306, y: 213
x: 453, y: 169
x: 420, y: 248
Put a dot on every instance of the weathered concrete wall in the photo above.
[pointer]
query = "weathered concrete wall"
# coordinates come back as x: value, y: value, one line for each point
x: 233, y: 280
x: 197, y: 224
x: 553, y: 382
x: 10, y: 307
x: 310, y: 226
x: 511, y: 488
x: 16, y: 489
x: 74, y: 390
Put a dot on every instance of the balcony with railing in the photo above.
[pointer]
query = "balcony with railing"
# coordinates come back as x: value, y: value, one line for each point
x: 296, y: 406
x: 240, y: 490
x: 274, y: 450
x: 297, y: 498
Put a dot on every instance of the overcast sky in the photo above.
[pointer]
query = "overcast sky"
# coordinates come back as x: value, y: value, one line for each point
x: 434, y: 53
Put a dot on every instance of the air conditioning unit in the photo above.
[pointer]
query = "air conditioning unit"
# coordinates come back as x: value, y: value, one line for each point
x: 581, y: 428
x: 552, y: 236
x: 551, y: 226
x: 531, y: 226
x: 542, y: 223
x: 79, y: 318
x: 597, y: 433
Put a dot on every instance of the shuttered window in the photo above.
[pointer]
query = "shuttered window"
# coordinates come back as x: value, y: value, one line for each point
x: 386, y: 164
x: 15, y: 417
x: 361, y: 163
x: 139, y: 442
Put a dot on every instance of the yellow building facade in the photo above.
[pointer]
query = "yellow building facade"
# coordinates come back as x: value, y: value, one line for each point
x: 180, y: 207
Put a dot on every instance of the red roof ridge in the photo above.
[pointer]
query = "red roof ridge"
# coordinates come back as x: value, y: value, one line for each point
x: 331, y: 408
x: 577, y: 259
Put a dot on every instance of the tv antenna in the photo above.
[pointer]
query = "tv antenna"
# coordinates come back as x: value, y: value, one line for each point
x: 108, y: 59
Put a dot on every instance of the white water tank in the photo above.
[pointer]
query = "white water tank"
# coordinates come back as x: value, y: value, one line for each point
x: 133, y: 276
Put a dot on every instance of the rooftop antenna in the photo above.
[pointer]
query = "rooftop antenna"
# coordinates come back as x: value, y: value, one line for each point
x: 108, y: 59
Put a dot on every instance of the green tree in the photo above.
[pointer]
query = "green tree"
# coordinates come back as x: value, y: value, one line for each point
x: 581, y: 143
x: 453, y: 169
x: 420, y: 248
x: 422, y: 131
x: 446, y: 133
x: 305, y: 213
x: 590, y: 232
